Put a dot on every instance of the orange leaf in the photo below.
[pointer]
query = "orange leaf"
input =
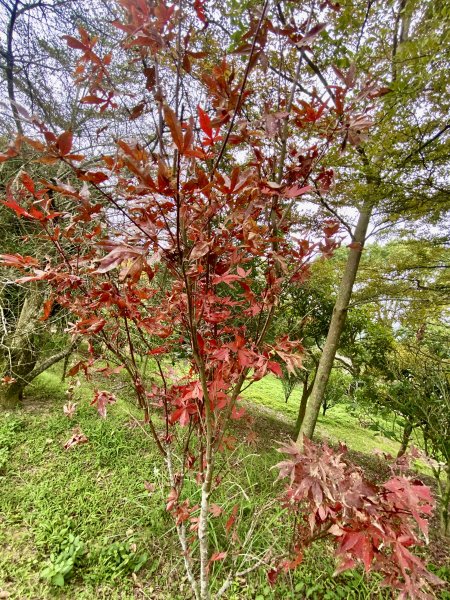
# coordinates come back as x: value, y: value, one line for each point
x: 74, y: 43
x: 28, y: 182
x: 218, y: 556
x: 205, y: 122
x: 174, y: 126
x: 48, y: 305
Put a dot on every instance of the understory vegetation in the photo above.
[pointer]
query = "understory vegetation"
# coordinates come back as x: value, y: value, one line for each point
x: 90, y: 522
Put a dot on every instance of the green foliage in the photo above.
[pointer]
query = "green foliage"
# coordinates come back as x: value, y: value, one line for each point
x: 289, y: 381
x: 9, y: 427
x: 337, y: 389
x: 119, y: 559
x: 62, y: 562
x: 443, y: 572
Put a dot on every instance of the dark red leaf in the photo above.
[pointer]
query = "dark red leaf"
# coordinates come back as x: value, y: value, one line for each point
x: 64, y: 142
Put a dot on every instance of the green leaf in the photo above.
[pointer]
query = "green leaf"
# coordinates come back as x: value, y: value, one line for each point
x: 58, y: 580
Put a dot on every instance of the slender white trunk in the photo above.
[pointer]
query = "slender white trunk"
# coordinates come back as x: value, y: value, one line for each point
x: 203, y: 523
x: 181, y: 531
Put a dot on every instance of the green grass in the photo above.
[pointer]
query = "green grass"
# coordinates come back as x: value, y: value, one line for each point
x: 94, y: 492
x: 80, y: 523
x: 338, y: 425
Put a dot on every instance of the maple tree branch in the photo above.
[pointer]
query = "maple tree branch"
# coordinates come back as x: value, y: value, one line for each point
x: 319, y: 74
x: 284, y: 136
x: 308, y: 61
x: 130, y: 372
x: 242, y: 90
x: 10, y: 66
x: 364, y: 23
x: 290, y: 80
x: 331, y: 210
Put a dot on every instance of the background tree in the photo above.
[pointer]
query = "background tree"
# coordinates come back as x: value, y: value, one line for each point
x: 411, y: 181
x: 33, y: 337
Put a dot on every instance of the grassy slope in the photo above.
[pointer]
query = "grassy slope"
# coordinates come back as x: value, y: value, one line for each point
x: 95, y: 493
x: 337, y: 425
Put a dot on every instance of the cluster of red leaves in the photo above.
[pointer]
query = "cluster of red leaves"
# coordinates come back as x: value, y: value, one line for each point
x: 101, y: 399
x: 375, y: 525
x: 76, y: 439
x: 228, y: 244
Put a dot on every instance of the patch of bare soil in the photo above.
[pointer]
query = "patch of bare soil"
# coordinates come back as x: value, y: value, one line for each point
x: 36, y: 405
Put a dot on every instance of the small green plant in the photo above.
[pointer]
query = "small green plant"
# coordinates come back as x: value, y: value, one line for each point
x: 349, y: 585
x: 120, y: 559
x: 442, y: 571
x: 61, y: 565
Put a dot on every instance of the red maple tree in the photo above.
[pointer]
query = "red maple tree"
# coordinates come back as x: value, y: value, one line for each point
x: 185, y: 247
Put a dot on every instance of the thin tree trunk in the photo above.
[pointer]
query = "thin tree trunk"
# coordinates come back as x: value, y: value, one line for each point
x: 9, y: 69
x: 407, y: 431
x: 337, y: 324
x: 306, y: 393
x: 181, y: 531
x: 203, y: 529
x: 444, y: 507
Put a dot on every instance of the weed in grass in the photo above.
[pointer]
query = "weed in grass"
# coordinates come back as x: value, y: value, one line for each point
x: 118, y: 559
x: 60, y: 565
x: 313, y: 579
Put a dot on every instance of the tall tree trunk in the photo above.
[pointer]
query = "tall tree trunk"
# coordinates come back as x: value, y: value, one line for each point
x: 407, y: 431
x: 337, y: 323
x: 442, y: 479
x: 21, y: 356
